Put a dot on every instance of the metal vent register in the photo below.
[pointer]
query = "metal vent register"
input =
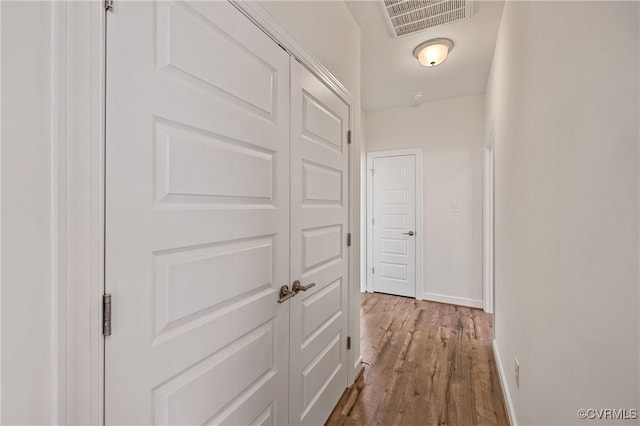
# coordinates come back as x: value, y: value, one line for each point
x: 406, y: 17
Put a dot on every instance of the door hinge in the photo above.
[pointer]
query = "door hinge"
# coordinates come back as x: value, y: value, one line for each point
x: 349, y: 239
x: 373, y: 221
x: 373, y: 172
x: 106, y: 315
x: 348, y: 343
x: 108, y: 5
x: 349, y: 137
x: 373, y: 270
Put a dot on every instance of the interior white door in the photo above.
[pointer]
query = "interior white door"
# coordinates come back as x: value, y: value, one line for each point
x: 197, y: 217
x: 319, y: 254
x: 394, y: 215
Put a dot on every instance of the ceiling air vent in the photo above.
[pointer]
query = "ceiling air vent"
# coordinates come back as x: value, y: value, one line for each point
x: 407, y: 17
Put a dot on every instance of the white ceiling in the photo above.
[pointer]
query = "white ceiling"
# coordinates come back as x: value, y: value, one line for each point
x: 391, y: 75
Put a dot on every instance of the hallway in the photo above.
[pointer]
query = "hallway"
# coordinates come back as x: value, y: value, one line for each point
x: 199, y: 200
x: 425, y: 363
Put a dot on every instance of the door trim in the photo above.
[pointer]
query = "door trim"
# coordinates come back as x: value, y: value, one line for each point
x: 78, y: 30
x: 488, y: 217
x: 82, y: 54
x: 417, y: 152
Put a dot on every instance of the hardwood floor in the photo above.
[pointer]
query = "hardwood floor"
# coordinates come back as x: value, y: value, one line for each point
x: 426, y: 363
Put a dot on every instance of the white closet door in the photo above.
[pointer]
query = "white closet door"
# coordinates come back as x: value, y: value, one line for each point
x: 319, y: 253
x: 197, y: 217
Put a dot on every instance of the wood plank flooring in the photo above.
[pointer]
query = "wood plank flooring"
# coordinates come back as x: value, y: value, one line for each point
x: 426, y: 363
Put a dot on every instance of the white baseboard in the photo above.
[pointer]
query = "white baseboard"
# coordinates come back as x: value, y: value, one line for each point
x: 505, y: 390
x: 472, y: 303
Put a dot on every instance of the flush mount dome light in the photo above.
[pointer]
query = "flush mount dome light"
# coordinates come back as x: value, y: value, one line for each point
x: 433, y: 52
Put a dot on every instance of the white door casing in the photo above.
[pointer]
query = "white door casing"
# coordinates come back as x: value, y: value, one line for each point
x: 394, y: 225
x: 197, y: 217
x: 319, y: 252
x: 488, y: 228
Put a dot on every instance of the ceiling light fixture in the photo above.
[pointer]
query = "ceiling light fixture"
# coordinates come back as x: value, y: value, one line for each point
x: 433, y: 52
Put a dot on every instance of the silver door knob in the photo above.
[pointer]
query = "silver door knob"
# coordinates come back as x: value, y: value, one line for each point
x: 285, y: 294
x: 410, y: 233
x: 296, y: 287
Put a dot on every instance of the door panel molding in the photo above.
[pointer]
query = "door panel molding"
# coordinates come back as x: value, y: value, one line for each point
x: 417, y: 152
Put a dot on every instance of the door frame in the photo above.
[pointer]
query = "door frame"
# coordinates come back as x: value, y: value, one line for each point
x: 79, y: 52
x: 417, y: 152
x: 488, y: 225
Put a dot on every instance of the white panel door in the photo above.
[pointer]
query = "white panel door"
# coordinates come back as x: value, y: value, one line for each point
x: 394, y: 215
x: 197, y: 217
x: 319, y: 255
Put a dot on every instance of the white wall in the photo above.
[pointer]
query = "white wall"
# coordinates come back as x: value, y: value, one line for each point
x: 26, y: 258
x: 563, y: 99
x: 450, y: 134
